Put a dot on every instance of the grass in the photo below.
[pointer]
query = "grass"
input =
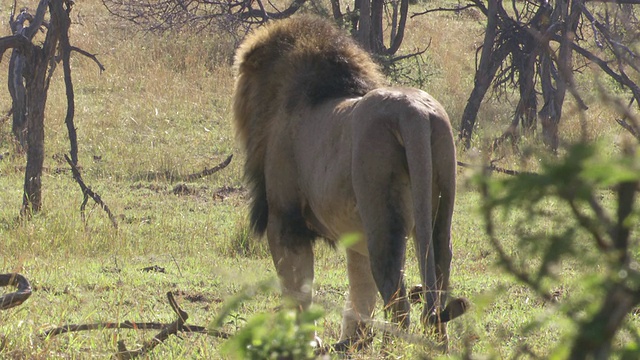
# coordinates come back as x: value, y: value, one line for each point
x: 162, y: 109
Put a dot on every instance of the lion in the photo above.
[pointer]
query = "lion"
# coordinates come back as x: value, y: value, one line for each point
x: 330, y: 150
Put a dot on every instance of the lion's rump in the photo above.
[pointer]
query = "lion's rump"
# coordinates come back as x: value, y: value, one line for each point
x: 291, y: 64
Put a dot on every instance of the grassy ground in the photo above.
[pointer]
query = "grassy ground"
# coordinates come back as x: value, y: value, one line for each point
x: 161, y: 110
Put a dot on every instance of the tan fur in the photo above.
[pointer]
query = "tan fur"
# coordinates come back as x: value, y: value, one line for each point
x: 330, y: 151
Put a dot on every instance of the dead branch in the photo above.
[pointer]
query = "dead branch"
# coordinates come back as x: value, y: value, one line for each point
x: 510, y: 134
x: 406, y: 56
x: 197, y: 15
x: 491, y: 168
x: 153, y: 268
x: 207, y: 172
x: 628, y: 127
x: 170, y: 329
x: 90, y: 56
x: 166, y: 330
x: 65, y: 52
x: 87, y: 192
x: 15, y: 298
x: 109, y: 325
x: 455, y: 9
x: 129, y: 326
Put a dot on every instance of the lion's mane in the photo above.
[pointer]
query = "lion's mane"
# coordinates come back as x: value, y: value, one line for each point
x: 288, y: 64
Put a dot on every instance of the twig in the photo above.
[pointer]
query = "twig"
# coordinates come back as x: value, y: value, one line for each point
x: 177, y: 265
x: 87, y: 192
x: 15, y: 298
x: 207, y: 172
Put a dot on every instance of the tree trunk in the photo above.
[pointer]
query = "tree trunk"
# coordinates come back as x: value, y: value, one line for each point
x: 363, y: 35
x: 37, y: 85
x: 398, y: 35
x: 18, y: 95
x: 36, y: 100
x: 376, y: 37
x: 528, y: 105
x: 489, y: 64
x: 551, y: 111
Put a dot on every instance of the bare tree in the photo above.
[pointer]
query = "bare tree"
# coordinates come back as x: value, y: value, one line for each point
x: 532, y: 49
x: 367, y: 19
x: 31, y: 67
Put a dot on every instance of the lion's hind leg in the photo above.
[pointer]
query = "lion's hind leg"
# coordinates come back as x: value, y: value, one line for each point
x: 292, y: 254
x: 381, y: 185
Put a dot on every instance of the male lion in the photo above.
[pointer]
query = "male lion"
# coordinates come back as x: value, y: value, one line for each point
x: 331, y: 151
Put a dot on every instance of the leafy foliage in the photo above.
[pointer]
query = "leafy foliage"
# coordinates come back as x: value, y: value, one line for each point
x: 286, y: 334
x: 595, y: 237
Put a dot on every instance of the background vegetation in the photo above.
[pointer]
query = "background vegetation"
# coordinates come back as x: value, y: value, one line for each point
x: 161, y: 109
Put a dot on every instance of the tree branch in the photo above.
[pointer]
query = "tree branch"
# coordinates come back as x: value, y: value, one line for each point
x: 87, y: 192
x: 38, y: 19
x: 207, y: 172
x: 90, y: 56
x: 16, y: 42
x: 65, y: 50
x: 455, y: 9
x: 166, y: 330
x: 628, y: 127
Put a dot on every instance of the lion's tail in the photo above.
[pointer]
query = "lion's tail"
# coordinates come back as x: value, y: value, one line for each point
x: 431, y: 170
x: 420, y: 163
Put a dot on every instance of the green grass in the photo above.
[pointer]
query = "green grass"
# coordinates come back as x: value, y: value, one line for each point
x: 162, y: 109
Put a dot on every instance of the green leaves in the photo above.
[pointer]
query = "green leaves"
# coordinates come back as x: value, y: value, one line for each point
x: 587, y: 203
x: 286, y: 334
